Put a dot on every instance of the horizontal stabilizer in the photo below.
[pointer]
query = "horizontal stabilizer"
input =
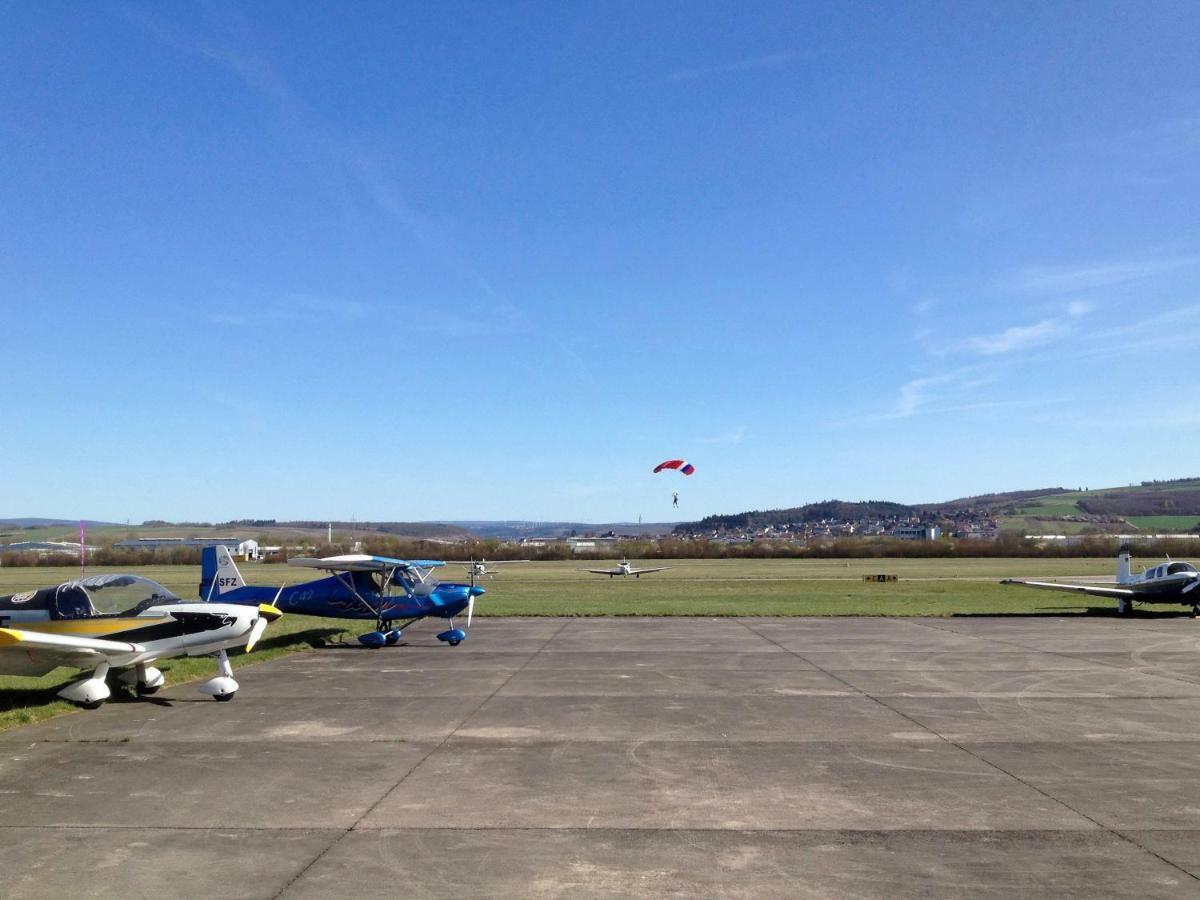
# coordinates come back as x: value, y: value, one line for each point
x: 1093, y: 589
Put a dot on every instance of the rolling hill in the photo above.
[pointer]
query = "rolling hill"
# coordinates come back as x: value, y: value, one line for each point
x: 1151, y: 507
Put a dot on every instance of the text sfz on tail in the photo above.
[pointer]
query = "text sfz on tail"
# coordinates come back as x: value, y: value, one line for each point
x: 1168, y: 582
x: 392, y: 593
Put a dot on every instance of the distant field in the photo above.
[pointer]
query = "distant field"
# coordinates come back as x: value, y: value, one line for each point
x: 1052, y: 506
x: 1171, y: 524
x: 1034, y: 525
x: 936, y: 587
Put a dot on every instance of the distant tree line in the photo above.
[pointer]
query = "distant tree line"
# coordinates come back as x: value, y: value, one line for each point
x: 675, y: 547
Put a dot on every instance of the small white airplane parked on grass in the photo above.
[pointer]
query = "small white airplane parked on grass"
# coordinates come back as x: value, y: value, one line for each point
x: 479, y: 567
x: 625, y: 569
x: 122, y: 622
x: 1168, y: 582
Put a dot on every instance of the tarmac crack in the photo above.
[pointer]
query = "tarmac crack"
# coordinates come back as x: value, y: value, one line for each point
x: 987, y: 762
x: 370, y: 809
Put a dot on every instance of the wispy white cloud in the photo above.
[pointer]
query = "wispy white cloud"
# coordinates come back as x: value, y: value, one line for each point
x: 944, y: 393
x: 751, y: 63
x: 1049, y: 280
x: 302, y: 308
x: 1018, y: 337
x: 490, y: 322
x: 235, y: 53
x: 916, y: 393
x: 734, y: 436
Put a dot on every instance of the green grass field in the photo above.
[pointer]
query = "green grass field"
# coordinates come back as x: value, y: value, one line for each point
x: 777, y: 587
x: 1171, y: 524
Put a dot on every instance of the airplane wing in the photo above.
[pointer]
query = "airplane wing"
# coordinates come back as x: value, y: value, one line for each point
x: 34, y: 653
x: 602, y: 571
x: 644, y: 571
x: 361, y: 562
x: 1097, y: 590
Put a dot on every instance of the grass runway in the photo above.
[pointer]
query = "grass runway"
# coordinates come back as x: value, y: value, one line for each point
x: 770, y: 587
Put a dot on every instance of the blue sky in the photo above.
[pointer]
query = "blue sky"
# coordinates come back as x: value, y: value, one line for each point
x: 490, y: 260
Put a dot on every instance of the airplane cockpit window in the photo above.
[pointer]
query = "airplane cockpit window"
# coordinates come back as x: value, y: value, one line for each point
x: 122, y: 594
x: 1176, y: 568
x: 71, y: 602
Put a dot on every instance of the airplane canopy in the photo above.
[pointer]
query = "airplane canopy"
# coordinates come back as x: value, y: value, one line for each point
x: 109, y: 594
x: 93, y: 595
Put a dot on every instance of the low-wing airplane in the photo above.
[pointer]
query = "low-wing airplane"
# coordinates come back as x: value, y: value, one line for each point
x: 1168, y: 582
x: 624, y: 568
x: 479, y: 567
x: 122, y: 622
x: 358, y: 587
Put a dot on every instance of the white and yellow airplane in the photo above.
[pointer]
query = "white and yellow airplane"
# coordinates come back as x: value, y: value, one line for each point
x: 1168, y: 582
x: 122, y: 622
x: 624, y: 569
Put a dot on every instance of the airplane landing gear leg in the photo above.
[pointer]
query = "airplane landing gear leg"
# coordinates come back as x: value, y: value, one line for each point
x: 90, y: 692
x: 223, y: 687
x: 143, y: 679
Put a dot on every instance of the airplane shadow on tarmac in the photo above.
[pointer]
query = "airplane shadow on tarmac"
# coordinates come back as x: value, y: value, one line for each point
x: 20, y: 698
x: 1103, y: 612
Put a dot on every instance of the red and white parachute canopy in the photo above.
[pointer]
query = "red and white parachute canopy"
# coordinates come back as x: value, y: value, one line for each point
x: 685, y: 468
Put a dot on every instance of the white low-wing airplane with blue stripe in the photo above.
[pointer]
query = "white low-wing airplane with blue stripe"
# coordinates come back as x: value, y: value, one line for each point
x: 1168, y: 582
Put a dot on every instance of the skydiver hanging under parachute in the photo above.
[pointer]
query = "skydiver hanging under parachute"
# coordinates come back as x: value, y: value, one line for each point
x: 679, y: 465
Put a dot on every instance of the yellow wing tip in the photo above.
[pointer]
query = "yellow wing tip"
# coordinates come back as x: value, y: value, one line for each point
x: 9, y: 637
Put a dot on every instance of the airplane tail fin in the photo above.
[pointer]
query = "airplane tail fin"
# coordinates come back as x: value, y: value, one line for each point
x: 218, y: 573
x: 1124, y: 574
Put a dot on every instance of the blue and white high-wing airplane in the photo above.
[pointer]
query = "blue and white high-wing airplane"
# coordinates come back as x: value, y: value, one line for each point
x: 358, y: 587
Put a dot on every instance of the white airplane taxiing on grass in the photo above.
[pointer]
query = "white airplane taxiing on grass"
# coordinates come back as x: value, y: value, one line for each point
x: 480, y: 567
x: 1168, y: 582
x: 122, y: 622
x: 624, y: 569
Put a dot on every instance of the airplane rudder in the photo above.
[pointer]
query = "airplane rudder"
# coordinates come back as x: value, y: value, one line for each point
x: 228, y: 578
x: 208, y: 570
x: 1123, y: 566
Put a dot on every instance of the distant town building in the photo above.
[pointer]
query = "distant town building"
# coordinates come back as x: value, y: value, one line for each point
x: 246, y: 549
x: 917, y: 532
x: 45, y: 548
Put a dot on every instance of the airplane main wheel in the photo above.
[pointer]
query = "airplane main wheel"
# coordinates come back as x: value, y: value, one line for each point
x: 1124, y: 607
x: 223, y: 698
x: 453, y: 643
x: 95, y: 704
x: 144, y: 690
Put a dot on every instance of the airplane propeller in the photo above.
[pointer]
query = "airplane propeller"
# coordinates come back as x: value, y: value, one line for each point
x: 1191, y: 587
x: 267, y: 613
x: 471, y: 596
